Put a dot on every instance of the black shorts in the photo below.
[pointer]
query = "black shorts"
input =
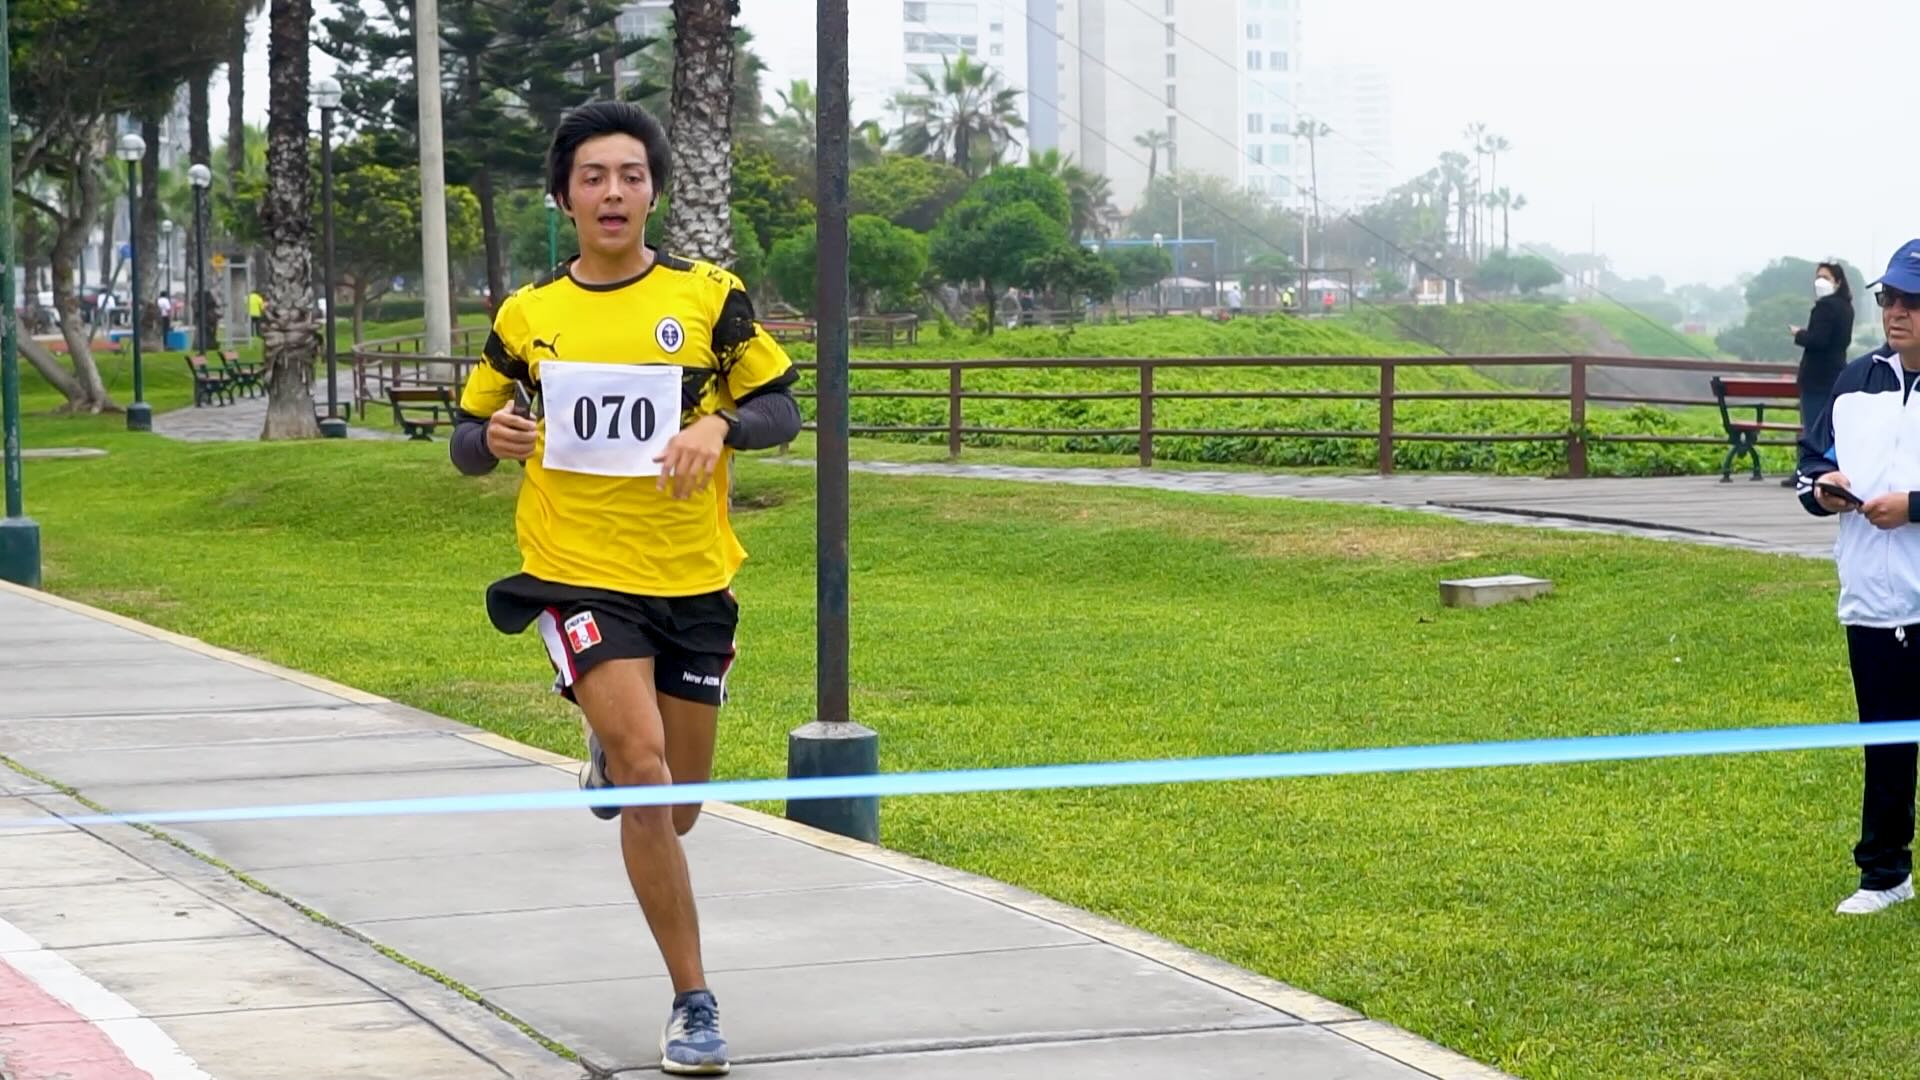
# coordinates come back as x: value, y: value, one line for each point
x: 690, y: 638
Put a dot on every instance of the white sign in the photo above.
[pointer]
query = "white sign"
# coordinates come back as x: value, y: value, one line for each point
x: 609, y: 419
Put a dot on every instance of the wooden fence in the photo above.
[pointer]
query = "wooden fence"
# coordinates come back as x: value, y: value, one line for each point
x: 393, y: 362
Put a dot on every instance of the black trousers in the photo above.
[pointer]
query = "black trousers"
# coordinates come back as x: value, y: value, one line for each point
x: 1886, y: 685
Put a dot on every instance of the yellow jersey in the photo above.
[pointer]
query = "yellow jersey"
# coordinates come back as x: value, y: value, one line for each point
x: 617, y: 531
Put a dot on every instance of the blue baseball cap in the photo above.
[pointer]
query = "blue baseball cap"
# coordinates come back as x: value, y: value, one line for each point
x: 1903, y: 270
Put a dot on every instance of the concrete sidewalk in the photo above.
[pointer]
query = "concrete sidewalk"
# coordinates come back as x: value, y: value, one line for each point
x: 829, y: 957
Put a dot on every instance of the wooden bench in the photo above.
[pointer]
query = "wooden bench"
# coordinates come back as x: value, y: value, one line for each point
x: 208, y: 384
x: 241, y: 374
x: 1743, y: 436
x: 421, y: 410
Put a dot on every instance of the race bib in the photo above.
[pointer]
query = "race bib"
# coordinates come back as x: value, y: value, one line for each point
x: 609, y: 419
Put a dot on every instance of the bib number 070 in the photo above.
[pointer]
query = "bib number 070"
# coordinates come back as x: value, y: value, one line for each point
x: 640, y: 415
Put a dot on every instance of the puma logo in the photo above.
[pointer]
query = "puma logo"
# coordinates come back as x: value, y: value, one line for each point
x: 552, y: 348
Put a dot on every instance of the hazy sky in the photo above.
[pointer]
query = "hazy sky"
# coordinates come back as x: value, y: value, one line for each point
x: 1700, y: 137
x: 1706, y: 136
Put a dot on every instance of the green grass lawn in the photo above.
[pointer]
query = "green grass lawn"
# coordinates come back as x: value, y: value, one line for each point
x: 1642, y: 919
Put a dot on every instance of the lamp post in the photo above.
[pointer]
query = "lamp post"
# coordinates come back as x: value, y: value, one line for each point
x: 1159, y: 297
x: 201, y: 178
x: 132, y: 149
x: 166, y: 277
x: 19, y: 534
x: 326, y: 94
x: 553, y: 232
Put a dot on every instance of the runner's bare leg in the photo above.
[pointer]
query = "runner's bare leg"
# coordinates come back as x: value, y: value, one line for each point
x: 619, y: 700
x: 691, y: 729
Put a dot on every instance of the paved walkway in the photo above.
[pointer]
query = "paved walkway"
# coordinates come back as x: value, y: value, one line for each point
x: 242, y: 420
x: 1744, y: 514
x: 830, y: 958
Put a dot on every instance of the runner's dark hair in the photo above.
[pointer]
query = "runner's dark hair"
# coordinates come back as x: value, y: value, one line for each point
x: 597, y: 118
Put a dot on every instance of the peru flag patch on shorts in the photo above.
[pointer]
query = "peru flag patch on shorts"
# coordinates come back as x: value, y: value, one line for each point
x: 582, y: 632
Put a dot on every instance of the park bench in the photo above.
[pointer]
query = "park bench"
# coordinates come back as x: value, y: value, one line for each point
x: 421, y: 410
x: 240, y: 373
x: 1743, y: 436
x: 208, y: 384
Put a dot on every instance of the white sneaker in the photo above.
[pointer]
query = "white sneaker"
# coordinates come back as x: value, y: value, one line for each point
x: 1868, y: 901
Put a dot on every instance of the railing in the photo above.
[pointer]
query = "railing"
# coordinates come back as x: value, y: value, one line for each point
x: 1578, y: 397
x: 396, y: 362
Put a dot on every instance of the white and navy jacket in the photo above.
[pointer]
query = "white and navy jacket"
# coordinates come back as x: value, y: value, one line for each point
x: 1871, y: 433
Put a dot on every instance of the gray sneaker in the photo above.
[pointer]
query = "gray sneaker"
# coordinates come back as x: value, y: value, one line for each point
x: 593, y: 776
x: 692, y: 1044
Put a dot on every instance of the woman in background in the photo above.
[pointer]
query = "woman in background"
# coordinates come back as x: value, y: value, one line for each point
x: 1824, y: 342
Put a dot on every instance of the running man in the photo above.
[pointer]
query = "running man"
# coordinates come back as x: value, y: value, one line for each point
x: 650, y: 370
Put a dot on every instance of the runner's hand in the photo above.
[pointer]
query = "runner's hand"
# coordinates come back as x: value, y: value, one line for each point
x: 510, y: 435
x: 691, y: 456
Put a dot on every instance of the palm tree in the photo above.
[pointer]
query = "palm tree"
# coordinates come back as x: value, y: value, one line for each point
x: 699, y: 221
x: 286, y: 214
x: 1313, y: 131
x: 1476, y: 135
x: 1089, y: 195
x: 1153, y: 141
x: 1455, y: 177
x: 237, y: 89
x: 966, y: 116
x: 790, y: 128
x: 1505, y: 201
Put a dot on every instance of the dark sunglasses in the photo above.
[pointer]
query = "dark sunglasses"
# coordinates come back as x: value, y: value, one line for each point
x: 1889, y: 297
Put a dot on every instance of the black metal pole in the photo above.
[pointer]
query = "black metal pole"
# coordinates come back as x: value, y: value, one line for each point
x: 139, y: 416
x: 199, y: 270
x: 19, y: 534
x: 833, y: 745
x: 333, y: 427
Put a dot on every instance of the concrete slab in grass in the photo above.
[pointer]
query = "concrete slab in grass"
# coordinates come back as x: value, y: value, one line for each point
x: 1288, y: 1053
x: 1075, y: 991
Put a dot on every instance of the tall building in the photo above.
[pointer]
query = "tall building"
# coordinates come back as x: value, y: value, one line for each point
x: 1126, y: 87
x: 1355, y: 164
x: 1217, y: 80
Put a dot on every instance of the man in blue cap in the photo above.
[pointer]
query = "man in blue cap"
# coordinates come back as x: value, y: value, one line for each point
x: 1861, y: 460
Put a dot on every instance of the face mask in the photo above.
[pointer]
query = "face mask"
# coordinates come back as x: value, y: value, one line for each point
x: 1822, y: 288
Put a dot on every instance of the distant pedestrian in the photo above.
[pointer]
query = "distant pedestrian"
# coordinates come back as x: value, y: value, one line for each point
x: 1823, y: 342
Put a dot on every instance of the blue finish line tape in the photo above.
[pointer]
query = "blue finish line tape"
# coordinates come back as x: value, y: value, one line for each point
x: 1112, y: 774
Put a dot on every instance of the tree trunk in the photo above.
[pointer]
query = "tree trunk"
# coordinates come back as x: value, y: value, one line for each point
x: 48, y: 365
x: 699, y: 219
x: 108, y: 228
x: 148, y: 237
x: 359, y: 308
x: 490, y: 237
x: 237, y: 100
x: 85, y: 392
x: 200, y: 119
x: 290, y: 332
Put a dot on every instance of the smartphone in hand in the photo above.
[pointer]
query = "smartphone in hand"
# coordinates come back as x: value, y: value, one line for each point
x: 522, y: 405
x: 1841, y: 493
